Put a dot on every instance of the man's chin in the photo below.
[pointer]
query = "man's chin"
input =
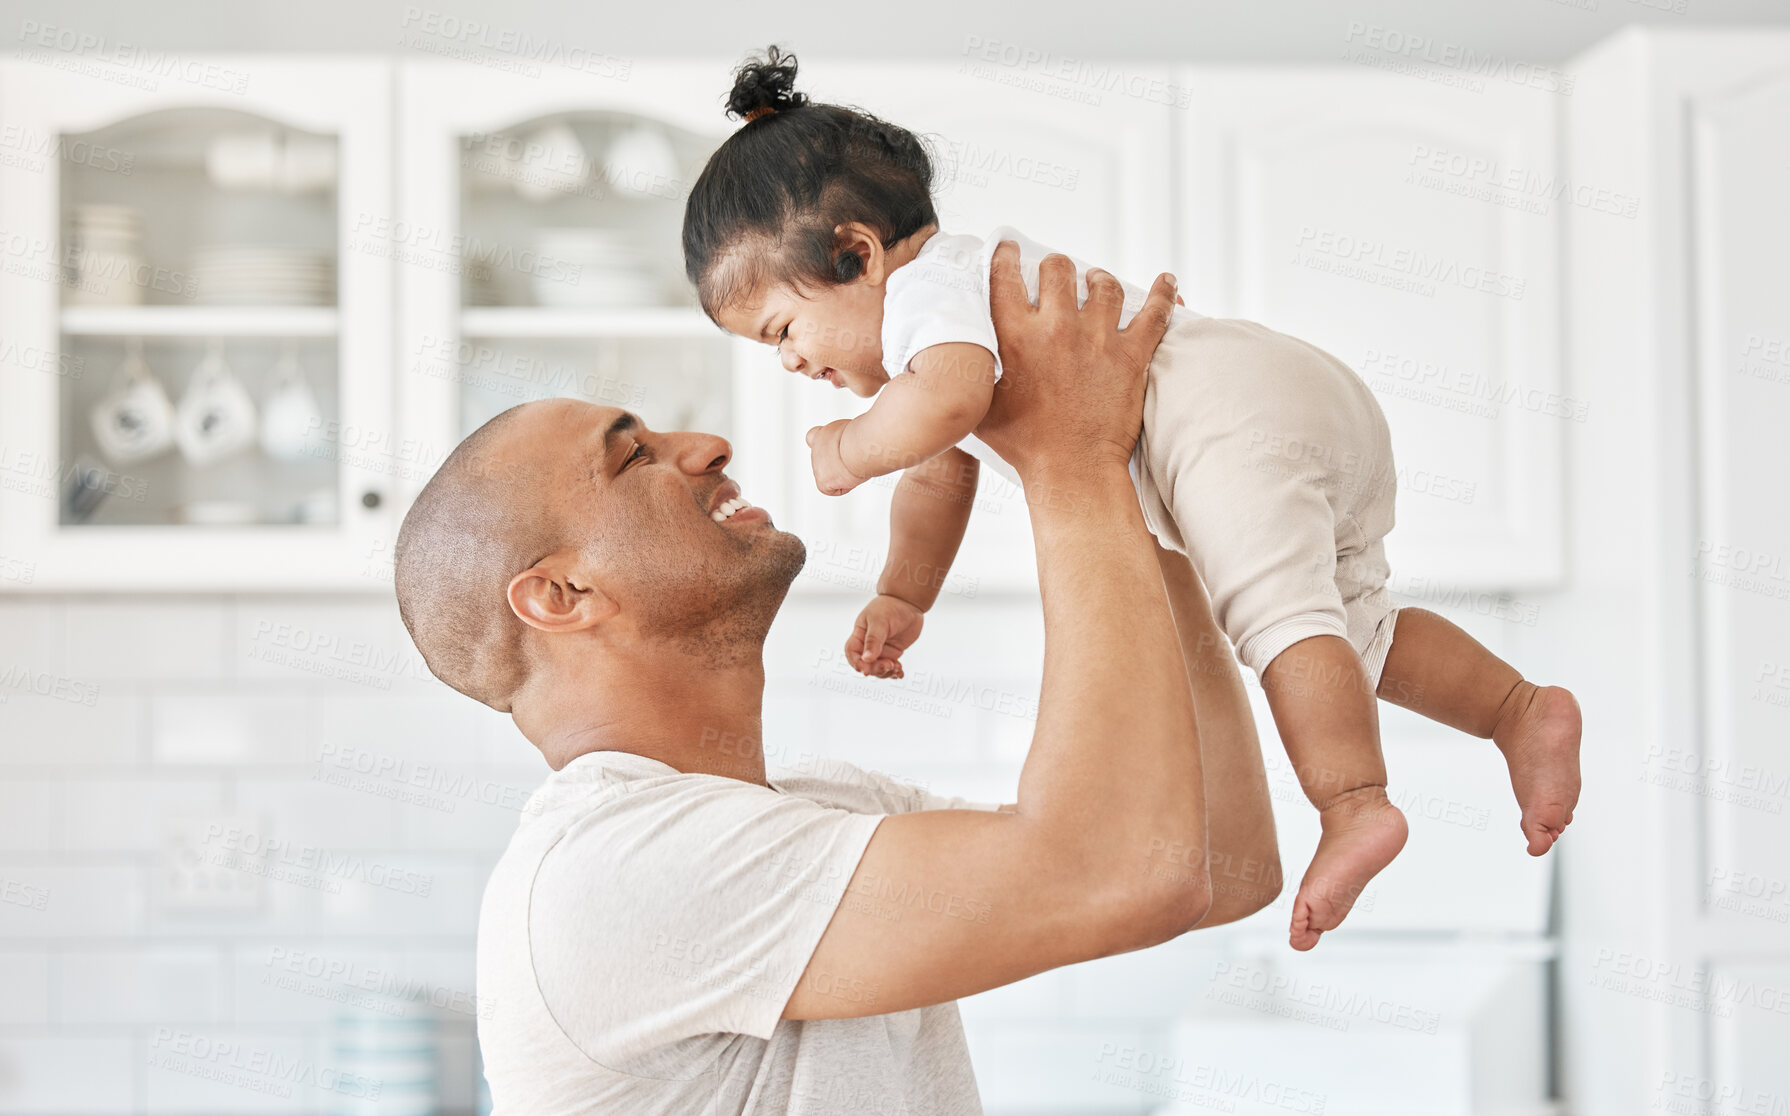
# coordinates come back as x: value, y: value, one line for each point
x: 793, y: 553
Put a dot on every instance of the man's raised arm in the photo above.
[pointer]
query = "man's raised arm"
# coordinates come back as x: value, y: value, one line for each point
x: 1113, y: 776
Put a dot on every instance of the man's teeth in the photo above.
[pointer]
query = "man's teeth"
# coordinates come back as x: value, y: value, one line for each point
x: 725, y: 510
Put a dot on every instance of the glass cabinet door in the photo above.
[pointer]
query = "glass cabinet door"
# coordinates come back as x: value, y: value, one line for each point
x: 538, y: 255
x: 202, y: 398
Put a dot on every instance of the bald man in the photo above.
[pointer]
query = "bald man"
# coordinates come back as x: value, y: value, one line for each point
x: 673, y: 931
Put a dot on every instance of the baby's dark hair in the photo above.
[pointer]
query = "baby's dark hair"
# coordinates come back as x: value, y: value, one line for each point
x: 767, y: 205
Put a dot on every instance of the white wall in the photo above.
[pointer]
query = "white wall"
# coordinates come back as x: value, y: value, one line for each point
x: 1163, y: 30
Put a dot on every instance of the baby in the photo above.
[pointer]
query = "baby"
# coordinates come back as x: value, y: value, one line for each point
x: 1264, y: 460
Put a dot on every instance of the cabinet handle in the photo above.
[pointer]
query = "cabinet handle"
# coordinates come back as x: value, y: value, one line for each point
x: 370, y: 499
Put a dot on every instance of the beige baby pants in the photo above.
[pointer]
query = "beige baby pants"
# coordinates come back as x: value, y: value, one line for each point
x: 1267, y: 462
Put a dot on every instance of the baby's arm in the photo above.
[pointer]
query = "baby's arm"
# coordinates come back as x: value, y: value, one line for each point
x: 927, y: 518
x: 940, y: 400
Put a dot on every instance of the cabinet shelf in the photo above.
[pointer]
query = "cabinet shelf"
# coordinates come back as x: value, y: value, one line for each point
x: 560, y: 322
x: 200, y: 321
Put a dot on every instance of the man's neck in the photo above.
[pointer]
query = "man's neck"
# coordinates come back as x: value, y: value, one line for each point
x: 693, y: 716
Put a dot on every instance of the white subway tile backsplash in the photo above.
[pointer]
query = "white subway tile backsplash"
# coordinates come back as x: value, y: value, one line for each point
x: 67, y: 1074
x: 30, y: 814
x: 130, y: 815
x: 144, y: 984
x: 1050, y: 1067
x: 1158, y: 983
x: 135, y: 639
x: 306, y: 813
x: 47, y: 731
x: 358, y: 645
x: 25, y: 977
x: 313, y: 979
x: 207, y: 1070
x: 237, y: 725
x: 921, y: 719
x: 469, y: 813
x: 50, y: 902
x: 33, y: 634
x: 423, y: 728
x: 1036, y: 997
x: 406, y: 894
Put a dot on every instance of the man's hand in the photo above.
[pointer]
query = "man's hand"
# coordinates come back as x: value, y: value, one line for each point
x: 1074, y: 385
x: 887, y: 627
x: 830, y: 474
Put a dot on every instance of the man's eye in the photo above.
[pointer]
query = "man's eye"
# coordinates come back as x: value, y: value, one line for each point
x: 783, y: 335
x: 639, y: 451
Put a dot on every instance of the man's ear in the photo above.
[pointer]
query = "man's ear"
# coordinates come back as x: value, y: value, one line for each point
x: 858, y: 254
x: 554, y: 595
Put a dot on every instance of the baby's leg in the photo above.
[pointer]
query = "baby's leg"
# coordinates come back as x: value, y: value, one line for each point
x: 1324, y: 707
x: 1436, y: 669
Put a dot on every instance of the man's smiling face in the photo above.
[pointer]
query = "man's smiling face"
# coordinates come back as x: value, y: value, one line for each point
x: 662, y: 527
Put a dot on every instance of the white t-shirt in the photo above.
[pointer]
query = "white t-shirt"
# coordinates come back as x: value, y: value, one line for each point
x: 644, y: 929
x: 940, y: 297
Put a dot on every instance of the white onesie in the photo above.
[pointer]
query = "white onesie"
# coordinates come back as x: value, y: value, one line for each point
x: 1264, y: 459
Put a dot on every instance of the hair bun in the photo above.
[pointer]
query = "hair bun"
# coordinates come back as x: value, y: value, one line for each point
x: 768, y: 83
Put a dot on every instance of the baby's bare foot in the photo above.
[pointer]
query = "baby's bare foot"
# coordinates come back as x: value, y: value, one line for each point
x: 1363, y: 831
x: 1538, y: 732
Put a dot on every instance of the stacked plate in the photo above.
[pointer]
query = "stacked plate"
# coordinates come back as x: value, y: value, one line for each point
x: 592, y: 267
x: 263, y: 275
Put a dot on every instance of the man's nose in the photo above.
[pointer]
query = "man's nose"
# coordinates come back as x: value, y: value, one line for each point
x: 792, y: 360
x: 702, y: 453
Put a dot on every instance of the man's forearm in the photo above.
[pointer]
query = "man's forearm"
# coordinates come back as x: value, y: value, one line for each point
x: 1242, y: 856
x: 1115, y: 757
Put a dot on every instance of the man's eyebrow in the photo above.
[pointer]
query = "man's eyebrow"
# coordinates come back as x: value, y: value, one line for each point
x: 623, y: 423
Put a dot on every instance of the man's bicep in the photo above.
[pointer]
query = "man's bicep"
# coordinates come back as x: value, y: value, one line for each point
x: 943, y: 904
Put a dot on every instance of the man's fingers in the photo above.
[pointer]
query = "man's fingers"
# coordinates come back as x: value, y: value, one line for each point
x: 1056, y: 284
x: 1151, y: 322
x: 1106, y: 298
x: 1007, y: 284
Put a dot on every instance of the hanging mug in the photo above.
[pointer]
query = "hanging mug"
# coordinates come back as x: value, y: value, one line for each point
x: 135, y: 420
x: 215, y: 417
x: 291, y: 420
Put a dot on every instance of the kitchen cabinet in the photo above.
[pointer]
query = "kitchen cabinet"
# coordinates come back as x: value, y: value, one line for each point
x: 538, y: 255
x: 1408, y: 226
x: 489, y: 236
x: 194, y: 376
x: 1675, y: 965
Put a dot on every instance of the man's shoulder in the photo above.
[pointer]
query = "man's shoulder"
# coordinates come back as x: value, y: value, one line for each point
x: 843, y: 786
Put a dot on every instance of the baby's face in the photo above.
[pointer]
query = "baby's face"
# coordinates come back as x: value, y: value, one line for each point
x: 832, y: 334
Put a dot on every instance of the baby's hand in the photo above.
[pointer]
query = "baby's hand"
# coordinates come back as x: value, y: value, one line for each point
x: 830, y: 474
x: 887, y: 627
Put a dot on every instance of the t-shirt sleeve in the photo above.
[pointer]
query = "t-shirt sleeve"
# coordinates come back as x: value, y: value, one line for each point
x: 908, y: 798
x: 684, y: 913
x: 938, y: 298
x: 981, y: 451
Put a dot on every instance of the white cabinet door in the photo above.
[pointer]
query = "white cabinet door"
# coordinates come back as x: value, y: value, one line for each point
x: 1673, y: 966
x: 1742, y: 557
x: 319, y: 514
x: 1083, y: 168
x: 496, y: 168
x: 1409, y: 228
